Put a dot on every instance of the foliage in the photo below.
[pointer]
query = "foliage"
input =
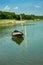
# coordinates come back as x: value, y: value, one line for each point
x: 12, y: 15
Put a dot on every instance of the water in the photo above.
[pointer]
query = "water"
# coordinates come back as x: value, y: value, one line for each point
x: 29, y: 51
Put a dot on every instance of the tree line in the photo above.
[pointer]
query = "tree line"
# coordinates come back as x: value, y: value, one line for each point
x: 13, y: 15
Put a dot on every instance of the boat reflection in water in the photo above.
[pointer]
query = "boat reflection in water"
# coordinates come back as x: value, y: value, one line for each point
x: 17, y: 40
x: 17, y: 37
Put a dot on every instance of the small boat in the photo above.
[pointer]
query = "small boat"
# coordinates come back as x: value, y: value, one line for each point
x: 17, y: 33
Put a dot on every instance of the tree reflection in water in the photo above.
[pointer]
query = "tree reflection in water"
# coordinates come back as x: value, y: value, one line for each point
x: 18, y: 40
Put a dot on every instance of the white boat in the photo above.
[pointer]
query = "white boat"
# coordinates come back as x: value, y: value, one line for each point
x: 17, y: 33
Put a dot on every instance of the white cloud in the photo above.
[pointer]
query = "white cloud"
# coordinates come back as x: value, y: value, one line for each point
x: 37, y: 6
x: 16, y: 8
x: 6, y: 8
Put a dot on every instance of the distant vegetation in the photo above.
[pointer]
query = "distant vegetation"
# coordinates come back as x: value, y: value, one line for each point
x: 12, y: 15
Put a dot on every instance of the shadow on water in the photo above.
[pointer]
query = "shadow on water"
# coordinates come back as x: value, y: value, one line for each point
x: 18, y: 40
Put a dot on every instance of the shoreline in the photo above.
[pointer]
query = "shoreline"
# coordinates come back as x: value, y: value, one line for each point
x: 8, y: 22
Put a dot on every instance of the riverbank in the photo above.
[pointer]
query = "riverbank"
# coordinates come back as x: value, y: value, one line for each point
x: 10, y: 22
x: 5, y: 23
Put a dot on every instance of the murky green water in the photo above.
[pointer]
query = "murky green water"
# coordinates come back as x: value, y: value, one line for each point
x: 28, y: 52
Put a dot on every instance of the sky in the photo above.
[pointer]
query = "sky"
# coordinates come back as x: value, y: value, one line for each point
x: 22, y: 6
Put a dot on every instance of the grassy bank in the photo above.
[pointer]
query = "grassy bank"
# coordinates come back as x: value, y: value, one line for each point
x: 10, y: 22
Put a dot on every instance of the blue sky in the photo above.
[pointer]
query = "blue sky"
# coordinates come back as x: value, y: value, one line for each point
x: 22, y: 6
